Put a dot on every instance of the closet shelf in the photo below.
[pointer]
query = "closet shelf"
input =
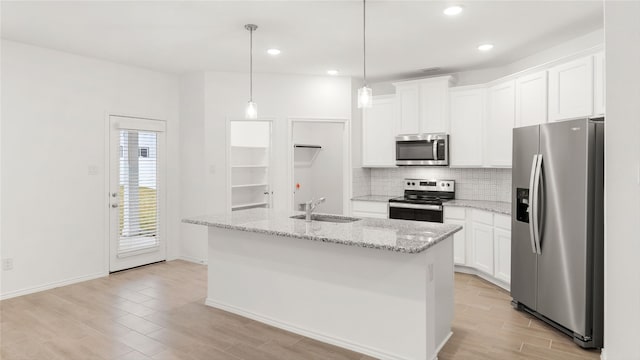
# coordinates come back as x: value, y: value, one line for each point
x: 248, y: 185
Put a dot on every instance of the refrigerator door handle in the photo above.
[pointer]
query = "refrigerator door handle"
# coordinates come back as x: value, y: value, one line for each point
x: 536, y: 192
x: 532, y: 209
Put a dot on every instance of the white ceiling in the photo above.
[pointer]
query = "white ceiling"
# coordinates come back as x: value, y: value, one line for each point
x: 403, y: 36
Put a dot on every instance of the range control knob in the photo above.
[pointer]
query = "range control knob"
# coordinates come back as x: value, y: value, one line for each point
x: 408, y: 183
x: 442, y: 184
x: 413, y: 183
x: 448, y: 184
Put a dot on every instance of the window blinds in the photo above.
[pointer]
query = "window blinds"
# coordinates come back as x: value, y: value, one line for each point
x: 138, y: 193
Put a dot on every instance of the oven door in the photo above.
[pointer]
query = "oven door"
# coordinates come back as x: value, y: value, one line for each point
x: 417, y: 212
x: 422, y: 149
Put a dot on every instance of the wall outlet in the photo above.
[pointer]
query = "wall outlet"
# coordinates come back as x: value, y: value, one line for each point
x: 7, y: 264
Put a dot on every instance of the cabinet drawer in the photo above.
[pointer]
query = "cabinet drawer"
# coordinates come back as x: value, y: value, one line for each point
x: 456, y: 213
x: 483, y: 217
x: 370, y: 207
x: 360, y: 214
x: 502, y: 221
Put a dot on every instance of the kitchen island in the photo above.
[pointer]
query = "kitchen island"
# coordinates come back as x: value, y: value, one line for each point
x: 380, y: 287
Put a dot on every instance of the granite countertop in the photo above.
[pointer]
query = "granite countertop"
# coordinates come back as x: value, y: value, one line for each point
x: 374, y: 198
x: 499, y: 207
x: 385, y: 234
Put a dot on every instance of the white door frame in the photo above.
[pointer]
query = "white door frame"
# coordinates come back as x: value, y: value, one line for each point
x: 229, y: 170
x: 138, y: 123
x: 347, y: 182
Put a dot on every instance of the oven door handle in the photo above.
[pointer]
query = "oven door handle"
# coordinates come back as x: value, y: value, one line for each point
x: 416, y: 206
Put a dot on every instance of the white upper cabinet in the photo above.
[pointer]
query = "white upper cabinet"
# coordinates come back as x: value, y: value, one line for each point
x: 434, y: 106
x: 598, y: 84
x: 408, y: 97
x: 571, y: 89
x: 423, y: 105
x: 378, y: 133
x: 499, y: 124
x: 531, y: 99
x: 467, y: 111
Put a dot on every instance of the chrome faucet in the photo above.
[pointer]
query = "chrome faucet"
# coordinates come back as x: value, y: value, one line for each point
x: 311, y: 205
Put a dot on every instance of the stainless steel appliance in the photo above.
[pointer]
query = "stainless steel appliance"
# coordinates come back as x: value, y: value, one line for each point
x: 422, y: 200
x: 557, y: 244
x: 422, y: 150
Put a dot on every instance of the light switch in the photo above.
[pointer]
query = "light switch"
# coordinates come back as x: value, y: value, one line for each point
x: 92, y: 170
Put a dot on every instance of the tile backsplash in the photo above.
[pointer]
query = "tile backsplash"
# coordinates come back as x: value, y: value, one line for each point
x: 361, y: 182
x: 471, y: 184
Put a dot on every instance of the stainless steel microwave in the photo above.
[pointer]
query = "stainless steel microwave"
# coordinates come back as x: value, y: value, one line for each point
x: 422, y: 150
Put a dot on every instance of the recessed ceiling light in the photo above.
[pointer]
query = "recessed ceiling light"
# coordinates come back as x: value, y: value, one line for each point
x: 485, y: 47
x: 453, y: 10
x: 332, y: 72
x: 273, y: 52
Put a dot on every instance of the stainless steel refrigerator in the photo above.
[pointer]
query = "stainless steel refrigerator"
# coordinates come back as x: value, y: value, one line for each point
x: 557, y: 238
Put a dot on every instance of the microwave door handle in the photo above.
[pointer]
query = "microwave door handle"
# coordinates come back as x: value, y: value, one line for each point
x: 434, y: 149
x: 532, y: 208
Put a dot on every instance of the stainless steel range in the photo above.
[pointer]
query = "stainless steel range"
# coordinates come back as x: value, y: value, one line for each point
x: 422, y: 200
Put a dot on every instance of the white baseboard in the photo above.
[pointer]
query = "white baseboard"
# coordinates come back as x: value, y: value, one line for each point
x: 193, y: 259
x: 51, y: 285
x: 442, y: 344
x: 469, y: 270
x: 312, y: 334
x: 603, y: 355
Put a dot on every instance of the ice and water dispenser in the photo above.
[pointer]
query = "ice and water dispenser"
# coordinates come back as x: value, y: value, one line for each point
x: 522, y: 205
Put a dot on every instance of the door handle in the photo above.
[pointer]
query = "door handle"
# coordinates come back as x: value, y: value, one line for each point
x: 536, y: 192
x: 114, y: 205
x: 434, y: 149
x: 532, y: 209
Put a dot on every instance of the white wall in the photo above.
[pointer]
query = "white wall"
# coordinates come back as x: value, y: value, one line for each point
x: 324, y: 176
x: 54, y: 107
x: 192, y: 163
x: 279, y: 97
x: 622, y: 192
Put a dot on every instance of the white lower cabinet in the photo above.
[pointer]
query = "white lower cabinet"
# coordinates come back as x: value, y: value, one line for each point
x: 371, y: 209
x: 482, y: 239
x: 485, y: 249
x: 502, y: 254
x: 457, y: 216
x: 459, y: 242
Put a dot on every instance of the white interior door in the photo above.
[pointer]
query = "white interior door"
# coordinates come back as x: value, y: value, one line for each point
x: 137, y: 194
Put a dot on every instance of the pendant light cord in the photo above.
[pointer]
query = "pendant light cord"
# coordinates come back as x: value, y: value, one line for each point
x: 251, y: 64
x: 364, y: 41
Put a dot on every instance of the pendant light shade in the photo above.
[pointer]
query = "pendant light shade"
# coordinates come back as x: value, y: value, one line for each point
x: 365, y: 94
x: 364, y: 97
x: 251, y: 113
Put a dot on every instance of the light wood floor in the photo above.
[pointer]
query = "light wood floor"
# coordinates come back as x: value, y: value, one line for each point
x: 157, y: 312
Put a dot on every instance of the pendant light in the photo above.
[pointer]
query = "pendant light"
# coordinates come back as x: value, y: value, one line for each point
x: 364, y: 93
x: 251, y: 113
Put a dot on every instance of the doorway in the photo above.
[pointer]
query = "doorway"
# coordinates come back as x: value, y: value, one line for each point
x: 136, y: 192
x: 250, y: 164
x: 320, y: 153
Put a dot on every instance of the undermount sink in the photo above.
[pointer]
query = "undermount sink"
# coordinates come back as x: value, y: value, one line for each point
x: 327, y: 218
